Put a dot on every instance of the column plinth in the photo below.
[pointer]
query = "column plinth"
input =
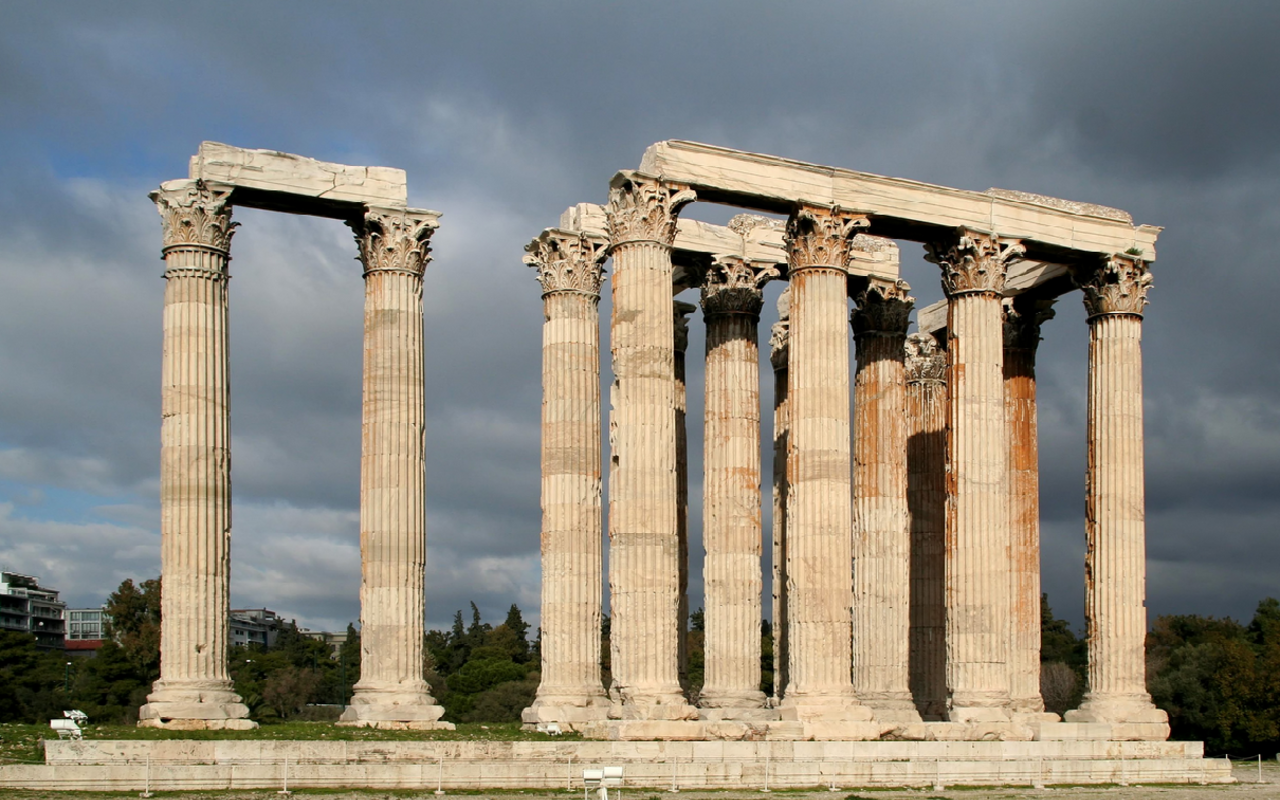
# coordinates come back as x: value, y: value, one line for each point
x: 392, y: 692
x: 977, y: 540
x: 569, y: 270
x: 819, y: 511
x: 1023, y: 316
x: 881, y: 532
x: 1115, y: 562
x: 731, y: 529
x: 194, y: 691
x: 643, y: 537
x: 926, y: 414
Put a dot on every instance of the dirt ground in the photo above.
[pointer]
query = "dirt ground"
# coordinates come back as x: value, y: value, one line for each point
x: 1246, y: 773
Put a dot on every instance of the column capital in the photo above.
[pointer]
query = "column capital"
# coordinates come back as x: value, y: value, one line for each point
x: 1023, y: 317
x: 567, y: 261
x: 395, y: 239
x: 780, y: 333
x: 643, y: 208
x: 973, y: 262
x: 821, y: 236
x: 883, y: 309
x: 1117, y: 284
x: 734, y: 285
x: 680, y: 312
x: 925, y: 361
x: 195, y: 212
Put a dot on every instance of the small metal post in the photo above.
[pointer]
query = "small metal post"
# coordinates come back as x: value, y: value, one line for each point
x: 675, y: 764
x: 440, y: 776
x: 285, y: 789
x: 146, y: 784
x: 766, y: 769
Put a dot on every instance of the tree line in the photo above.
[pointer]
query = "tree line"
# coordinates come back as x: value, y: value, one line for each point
x: 1218, y: 679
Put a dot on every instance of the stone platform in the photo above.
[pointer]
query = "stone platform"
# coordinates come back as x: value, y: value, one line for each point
x: 176, y: 764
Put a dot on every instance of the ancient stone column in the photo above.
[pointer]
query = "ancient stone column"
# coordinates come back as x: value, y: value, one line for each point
x: 926, y: 413
x: 820, y: 517
x: 391, y: 692
x: 731, y: 527
x: 644, y: 556
x: 781, y: 424
x: 1022, y: 318
x: 973, y: 271
x: 194, y: 690
x: 570, y: 271
x: 1115, y: 293
x: 881, y: 528
x: 680, y: 312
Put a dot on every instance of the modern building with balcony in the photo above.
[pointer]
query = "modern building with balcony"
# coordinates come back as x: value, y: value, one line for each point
x: 28, y: 607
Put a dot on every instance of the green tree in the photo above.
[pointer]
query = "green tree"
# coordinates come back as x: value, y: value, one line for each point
x: 134, y: 624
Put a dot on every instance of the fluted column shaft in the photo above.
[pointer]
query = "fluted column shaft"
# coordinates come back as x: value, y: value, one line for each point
x: 820, y: 516
x: 644, y: 546
x: 391, y: 691
x: 881, y: 533
x: 1115, y: 561
x: 926, y: 413
x: 570, y: 274
x: 978, y: 565
x: 1021, y: 338
x: 731, y: 528
x: 194, y: 689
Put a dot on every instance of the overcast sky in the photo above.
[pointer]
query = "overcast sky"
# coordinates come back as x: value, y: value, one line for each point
x: 504, y: 114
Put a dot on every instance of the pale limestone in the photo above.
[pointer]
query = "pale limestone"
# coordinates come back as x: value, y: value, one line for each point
x: 194, y: 691
x: 391, y: 692
x: 570, y: 274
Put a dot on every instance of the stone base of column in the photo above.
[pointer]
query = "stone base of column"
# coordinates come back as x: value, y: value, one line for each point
x: 825, y: 708
x: 654, y: 709
x: 741, y: 706
x: 981, y: 707
x: 195, y: 706
x: 895, y: 707
x: 394, y: 708
x: 571, y: 711
x: 1131, y: 717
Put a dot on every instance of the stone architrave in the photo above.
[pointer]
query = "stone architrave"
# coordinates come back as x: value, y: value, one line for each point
x: 973, y: 271
x: 570, y: 272
x: 643, y: 497
x: 731, y: 528
x: 1023, y: 316
x: 680, y: 312
x: 881, y: 529
x: 781, y: 427
x: 391, y: 692
x: 926, y: 413
x: 819, y: 510
x: 1115, y: 294
x: 194, y: 691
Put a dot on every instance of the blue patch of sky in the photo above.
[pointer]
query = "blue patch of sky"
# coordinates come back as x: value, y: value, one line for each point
x: 44, y: 503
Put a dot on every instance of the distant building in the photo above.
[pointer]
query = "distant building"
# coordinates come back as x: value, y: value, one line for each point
x: 334, y: 640
x: 250, y: 626
x: 86, y: 630
x: 28, y: 607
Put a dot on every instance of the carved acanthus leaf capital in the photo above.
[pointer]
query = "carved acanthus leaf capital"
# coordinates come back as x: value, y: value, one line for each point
x: 883, y: 308
x: 925, y: 361
x: 195, y: 213
x: 1023, y: 317
x: 567, y: 261
x: 1117, y: 285
x: 642, y: 208
x: 680, y: 313
x: 821, y: 236
x: 395, y: 239
x: 973, y: 262
x: 779, y: 334
x: 734, y: 285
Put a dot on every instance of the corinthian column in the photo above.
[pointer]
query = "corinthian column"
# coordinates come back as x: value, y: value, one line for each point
x: 1022, y: 318
x: 881, y: 533
x: 569, y: 270
x: 194, y: 690
x: 391, y: 692
x: 781, y: 426
x: 1115, y: 293
x: 973, y: 271
x: 926, y: 414
x: 731, y: 532
x: 644, y: 556
x: 819, y: 513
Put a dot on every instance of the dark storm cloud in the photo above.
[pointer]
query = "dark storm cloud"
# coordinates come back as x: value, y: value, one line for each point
x: 503, y: 116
